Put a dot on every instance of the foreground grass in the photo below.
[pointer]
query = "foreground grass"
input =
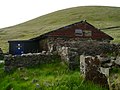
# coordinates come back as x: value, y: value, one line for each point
x: 45, y: 77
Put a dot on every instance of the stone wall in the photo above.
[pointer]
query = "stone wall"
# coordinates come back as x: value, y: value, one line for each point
x: 85, y: 45
x: 91, y: 68
x: 28, y: 60
x: 98, y: 69
x: 1, y: 54
x: 70, y: 49
x: 80, y: 46
x: 56, y: 43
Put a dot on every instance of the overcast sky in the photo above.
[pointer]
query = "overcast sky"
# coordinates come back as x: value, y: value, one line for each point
x: 13, y: 12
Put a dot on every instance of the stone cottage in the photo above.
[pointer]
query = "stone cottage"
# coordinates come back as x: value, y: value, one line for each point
x: 56, y: 39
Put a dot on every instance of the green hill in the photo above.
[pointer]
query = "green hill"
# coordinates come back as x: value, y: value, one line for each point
x: 99, y: 16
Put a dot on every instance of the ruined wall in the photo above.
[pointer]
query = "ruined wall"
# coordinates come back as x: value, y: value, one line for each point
x: 99, y: 70
x: 56, y: 43
x: 28, y: 60
x: 71, y: 48
x: 92, y: 70
x: 81, y: 45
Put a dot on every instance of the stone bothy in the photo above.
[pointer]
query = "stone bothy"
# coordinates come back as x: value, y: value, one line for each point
x: 56, y: 39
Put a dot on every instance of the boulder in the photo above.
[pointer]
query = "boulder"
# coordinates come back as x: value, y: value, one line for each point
x: 117, y: 61
x: 37, y: 85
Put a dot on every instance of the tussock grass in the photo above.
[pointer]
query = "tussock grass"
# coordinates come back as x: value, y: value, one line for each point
x: 54, y: 76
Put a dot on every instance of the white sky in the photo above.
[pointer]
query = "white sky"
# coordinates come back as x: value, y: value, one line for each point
x: 13, y: 12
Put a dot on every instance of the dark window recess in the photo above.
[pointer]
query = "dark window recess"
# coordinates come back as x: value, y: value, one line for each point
x: 87, y: 33
x: 78, y: 32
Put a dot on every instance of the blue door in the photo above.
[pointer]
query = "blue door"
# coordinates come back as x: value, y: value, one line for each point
x: 18, y: 48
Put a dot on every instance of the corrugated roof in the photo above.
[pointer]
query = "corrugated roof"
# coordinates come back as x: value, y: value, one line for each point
x: 69, y: 26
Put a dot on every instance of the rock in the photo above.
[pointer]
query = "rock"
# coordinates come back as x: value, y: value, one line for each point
x: 103, y: 58
x: 82, y: 64
x: 1, y: 61
x: 34, y: 80
x: 47, y: 84
x: 104, y: 71
x: 25, y: 78
x: 11, y: 89
x: 43, y: 52
x: 37, y: 85
x: 106, y: 65
x: 21, y: 68
x: 113, y: 58
x: 117, y: 61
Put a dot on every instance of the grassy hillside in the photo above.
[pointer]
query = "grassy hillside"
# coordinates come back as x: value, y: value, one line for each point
x: 100, y: 17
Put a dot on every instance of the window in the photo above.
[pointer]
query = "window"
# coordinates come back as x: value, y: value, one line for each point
x: 18, y: 44
x: 78, y: 32
x: 87, y: 33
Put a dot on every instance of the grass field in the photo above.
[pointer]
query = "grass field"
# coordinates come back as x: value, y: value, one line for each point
x: 55, y: 76
x: 99, y: 16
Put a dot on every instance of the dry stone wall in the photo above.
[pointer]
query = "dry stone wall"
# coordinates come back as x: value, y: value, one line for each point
x: 98, y: 69
x: 28, y: 60
x: 91, y: 69
x: 71, y: 48
x: 1, y: 54
x: 82, y: 45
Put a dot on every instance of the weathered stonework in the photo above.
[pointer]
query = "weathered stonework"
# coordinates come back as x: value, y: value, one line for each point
x: 82, y: 45
x: 92, y: 71
x: 71, y: 48
x: 1, y: 54
x: 27, y: 60
x: 97, y: 69
x: 117, y: 61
